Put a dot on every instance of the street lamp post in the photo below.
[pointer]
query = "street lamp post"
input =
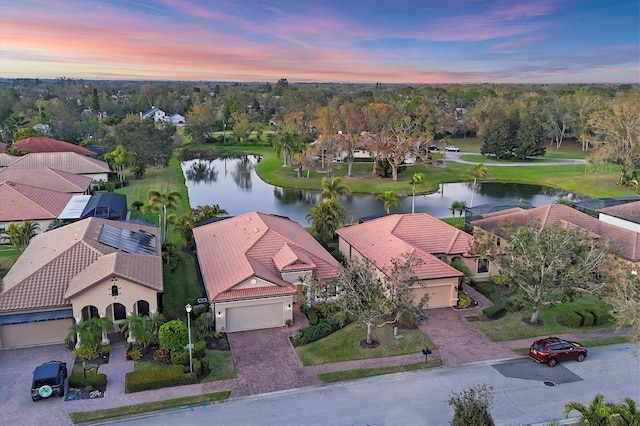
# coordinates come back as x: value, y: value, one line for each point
x: 189, y: 308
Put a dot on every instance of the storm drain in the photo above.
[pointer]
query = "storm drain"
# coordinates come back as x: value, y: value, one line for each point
x: 548, y: 383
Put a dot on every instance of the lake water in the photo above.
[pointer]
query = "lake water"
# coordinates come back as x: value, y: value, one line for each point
x: 233, y: 184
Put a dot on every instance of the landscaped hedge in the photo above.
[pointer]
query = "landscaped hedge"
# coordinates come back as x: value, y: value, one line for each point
x: 314, y: 332
x: 572, y: 319
x: 77, y: 380
x: 498, y: 305
x: 587, y: 318
x: 137, y: 381
x: 312, y: 316
x: 600, y: 316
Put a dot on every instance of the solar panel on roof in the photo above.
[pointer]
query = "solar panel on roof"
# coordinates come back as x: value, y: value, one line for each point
x: 140, y: 242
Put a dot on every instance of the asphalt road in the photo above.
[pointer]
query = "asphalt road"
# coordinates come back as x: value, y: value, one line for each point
x: 456, y: 157
x: 420, y: 398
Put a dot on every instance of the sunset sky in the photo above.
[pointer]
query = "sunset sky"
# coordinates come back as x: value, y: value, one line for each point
x: 388, y: 41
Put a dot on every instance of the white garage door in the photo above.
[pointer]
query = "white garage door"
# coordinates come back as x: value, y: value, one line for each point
x: 255, y: 317
x: 34, y: 333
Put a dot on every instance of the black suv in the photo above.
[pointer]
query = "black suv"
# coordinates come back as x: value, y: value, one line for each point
x: 48, y: 379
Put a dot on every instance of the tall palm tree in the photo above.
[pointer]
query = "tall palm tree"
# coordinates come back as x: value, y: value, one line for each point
x: 455, y: 206
x: 165, y: 201
x: 480, y: 171
x: 29, y: 229
x: 597, y: 413
x: 388, y: 198
x: 119, y: 158
x: 326, y: 216
x: 462, y: 206
x: 416, y: 180
x: 183, y: 225
x: 332, y: 189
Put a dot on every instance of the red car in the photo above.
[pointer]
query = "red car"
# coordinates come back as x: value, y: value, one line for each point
x: 553, y: 349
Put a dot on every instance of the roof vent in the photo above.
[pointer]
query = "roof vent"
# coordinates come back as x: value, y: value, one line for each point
x: 256, y: 230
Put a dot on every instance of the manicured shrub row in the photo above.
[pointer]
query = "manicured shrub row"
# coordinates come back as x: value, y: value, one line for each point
x: 498, y: 305
x: 312, y: 316
x: 315, y: 332
x: 137, y: 381
x: 77, y: 380
x: 586, y: 318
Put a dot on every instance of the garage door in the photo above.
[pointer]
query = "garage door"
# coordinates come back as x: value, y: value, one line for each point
x: 439, y: 296
x: 255, y: 317
x: 34, y: 333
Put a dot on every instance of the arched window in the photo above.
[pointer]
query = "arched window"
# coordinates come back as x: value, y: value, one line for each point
x: 114, y: 290
x: 89, y: 312
x: 142, y: 307
x: 119, y: 312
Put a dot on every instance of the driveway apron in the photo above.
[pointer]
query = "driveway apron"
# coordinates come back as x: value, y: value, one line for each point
x: 265, y: 361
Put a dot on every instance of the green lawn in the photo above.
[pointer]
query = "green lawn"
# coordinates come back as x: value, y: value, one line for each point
x: 129, y: 410
x: 344, y: 345
x: 340, y: 376
x: 8, y: 257
x: 512, y: 326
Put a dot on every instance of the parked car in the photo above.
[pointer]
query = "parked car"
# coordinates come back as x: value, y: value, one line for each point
x: 553, y: 349
x: 451, y: 148
x: 433, y: 148
x: 48, y: 380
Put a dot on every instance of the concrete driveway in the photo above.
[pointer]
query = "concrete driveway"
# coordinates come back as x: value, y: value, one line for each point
x: 16, y: 373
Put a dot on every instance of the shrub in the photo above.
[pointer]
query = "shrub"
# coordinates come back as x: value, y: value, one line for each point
x: 515, y: 304
x: 77, y: 380
x: 600, y: 316
x: 497, y: 308
x: 136, y: 381
x: 587, y: 318
x: 162, y: 355
x: 180, y: 357
x: 572, y: 319
x: 197, y: 367
x: 313, y: 317
x: 200, y: 349
x: 87, y: 353
x: 135, y: 354
x: 314, y: 332
x: 173, y: 335
x: 498, y: 279
x: 464, y: 300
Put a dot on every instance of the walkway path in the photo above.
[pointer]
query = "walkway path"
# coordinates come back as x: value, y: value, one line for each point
x: 456, y: 157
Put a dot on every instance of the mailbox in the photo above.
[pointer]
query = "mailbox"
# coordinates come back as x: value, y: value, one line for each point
x: 426, y: 351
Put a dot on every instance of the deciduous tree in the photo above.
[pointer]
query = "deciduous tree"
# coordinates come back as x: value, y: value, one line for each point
x: 547, y: 264
x: 375, y: 300
x: 472, y: 406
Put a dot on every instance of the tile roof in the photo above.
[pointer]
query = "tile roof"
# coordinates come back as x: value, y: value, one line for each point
x: 24, y: 202
x: 257, y: 244
x: 389, y: 237
x: 629, y: 212
x: 47, y: 178
x: 56, y: 260
x: 70, y: 162
x: 625, y: 242
x: 45, y: 144
x: 6, y: 159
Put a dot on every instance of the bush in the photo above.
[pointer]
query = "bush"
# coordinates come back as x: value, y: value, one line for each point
x: 180, y: 357
x: 497, y: 308
x: 314, y: 332
x: 162, y: 355
x: 464, y: 300
x: 312, y: 316
x: 135, y: 354
x: 587, y: 318
x: 515, y: 304
x: 600, y: 316
x: 137, y: 381
x: 173, y: 335
x: 498, y: 279
x: 87, y: 353
x: 200, y: 349
x: 572, y: 319
x: 77, y: 380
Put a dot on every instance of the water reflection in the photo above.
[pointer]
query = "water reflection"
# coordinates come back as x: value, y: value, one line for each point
x: 201, y: 171
x: 255, y: 194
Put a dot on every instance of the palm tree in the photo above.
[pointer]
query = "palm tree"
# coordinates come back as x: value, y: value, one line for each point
x: 462, y: 206
x: 29, y: 229
x: 332, y: 189
x: 20, y: 235
x: 183, y: 225
x: 597, y: 413
x: 480, y: 171
x: 326, y: 216
x: 13, y: 234
x: 119, y: 158
x: 628, y: 412
x: 455, y: 206
x: 207, y: 212
x: 388, y: 198
x: 166, y: 200
x: 285, y: 142
x: 416, y: 180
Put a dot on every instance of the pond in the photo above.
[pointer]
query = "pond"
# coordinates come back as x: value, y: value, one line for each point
x: 234, y: 185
